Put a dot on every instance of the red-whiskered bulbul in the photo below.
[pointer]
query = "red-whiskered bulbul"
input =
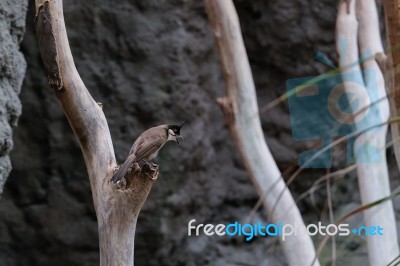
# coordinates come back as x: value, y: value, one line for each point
x: 147, y: 146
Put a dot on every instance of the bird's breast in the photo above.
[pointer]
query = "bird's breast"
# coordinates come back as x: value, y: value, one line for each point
x: 153, y: 155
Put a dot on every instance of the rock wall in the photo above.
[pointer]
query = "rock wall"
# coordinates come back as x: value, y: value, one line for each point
x: 12, y: 72
x: 151, y: 62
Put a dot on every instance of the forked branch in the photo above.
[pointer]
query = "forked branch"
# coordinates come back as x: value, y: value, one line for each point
x: 359, y: 30
x: 117, y: 209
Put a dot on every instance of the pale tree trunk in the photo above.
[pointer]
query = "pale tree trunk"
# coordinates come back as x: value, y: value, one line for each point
x: 116, y: 209
x: 357, y: 30
x: 241, y: 112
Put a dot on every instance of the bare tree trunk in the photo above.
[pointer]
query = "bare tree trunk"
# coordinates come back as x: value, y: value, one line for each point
x: 116, y: 209
x: 361, y: 37
x: 241, y: 111
x: 392, y: 18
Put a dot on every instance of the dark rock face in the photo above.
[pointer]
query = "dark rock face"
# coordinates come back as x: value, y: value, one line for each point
x: 12, y: 72
x: 152, y: 62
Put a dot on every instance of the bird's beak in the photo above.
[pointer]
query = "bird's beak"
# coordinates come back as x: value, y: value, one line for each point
x: 178, y: 137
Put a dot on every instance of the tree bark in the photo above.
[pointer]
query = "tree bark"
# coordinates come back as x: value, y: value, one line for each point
x: 241, y: 112
x: 358, y: 26
x: 392, y: 19
x: 117, y: 208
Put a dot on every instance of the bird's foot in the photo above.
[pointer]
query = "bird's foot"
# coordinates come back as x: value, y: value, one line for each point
x: 120, y: 184
x: 142, y: 163
x: 150, y: 164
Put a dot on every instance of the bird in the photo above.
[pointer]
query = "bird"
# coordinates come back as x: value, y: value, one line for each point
x: 147, y: 145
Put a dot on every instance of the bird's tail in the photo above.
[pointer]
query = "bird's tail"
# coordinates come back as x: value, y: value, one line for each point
x: 123, y: 169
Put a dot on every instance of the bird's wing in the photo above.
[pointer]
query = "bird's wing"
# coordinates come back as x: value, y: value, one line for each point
x: 148, y: 147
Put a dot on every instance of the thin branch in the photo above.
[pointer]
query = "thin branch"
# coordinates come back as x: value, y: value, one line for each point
x: 331, y: 217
